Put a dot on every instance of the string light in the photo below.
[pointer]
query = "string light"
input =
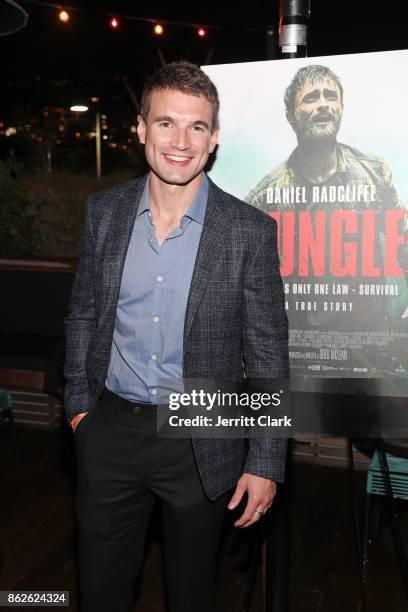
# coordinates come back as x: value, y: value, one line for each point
x: 64, y: 16
x: 158, y: 29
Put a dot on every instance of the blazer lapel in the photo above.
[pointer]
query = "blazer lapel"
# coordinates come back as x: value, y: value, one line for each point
x: 121, y: 227
x: 215, y: 228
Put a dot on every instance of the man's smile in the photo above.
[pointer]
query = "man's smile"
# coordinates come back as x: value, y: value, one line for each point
x: 177, y: 160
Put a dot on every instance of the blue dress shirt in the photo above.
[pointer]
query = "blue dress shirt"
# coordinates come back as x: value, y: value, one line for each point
x: 147, y: 347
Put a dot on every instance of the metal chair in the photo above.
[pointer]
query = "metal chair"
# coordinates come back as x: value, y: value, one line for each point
x: 388, y: 477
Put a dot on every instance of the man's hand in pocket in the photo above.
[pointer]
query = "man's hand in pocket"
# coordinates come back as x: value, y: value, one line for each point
x: 76, y: 420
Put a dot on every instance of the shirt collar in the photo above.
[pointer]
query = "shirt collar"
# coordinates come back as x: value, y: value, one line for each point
x: 197, y: 208
x: 144, y: 200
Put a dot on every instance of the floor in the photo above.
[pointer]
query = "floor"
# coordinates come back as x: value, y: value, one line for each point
x: 37, y: 537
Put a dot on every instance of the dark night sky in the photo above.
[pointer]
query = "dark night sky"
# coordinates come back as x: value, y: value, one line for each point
x: 91, y: 55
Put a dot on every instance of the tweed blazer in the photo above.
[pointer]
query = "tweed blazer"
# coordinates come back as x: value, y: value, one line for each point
x: 235, y: 323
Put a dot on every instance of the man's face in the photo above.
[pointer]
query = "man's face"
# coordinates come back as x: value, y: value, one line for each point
x: 177, y: 135
x: 317, y: 110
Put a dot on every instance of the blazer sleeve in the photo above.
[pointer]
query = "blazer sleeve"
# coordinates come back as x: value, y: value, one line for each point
x: 80, y: 325
x: 265, y: 342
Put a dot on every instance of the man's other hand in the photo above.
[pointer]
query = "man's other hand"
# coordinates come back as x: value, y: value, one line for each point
x: 261, y: 492
x: 76, y: 420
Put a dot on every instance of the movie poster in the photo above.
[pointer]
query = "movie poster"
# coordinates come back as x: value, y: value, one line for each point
x: 321, y: 145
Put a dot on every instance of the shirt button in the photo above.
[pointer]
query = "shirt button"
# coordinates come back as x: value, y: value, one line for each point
x: 159, y: 279
x: 154, y: 391
x: 156, y: 319
x: 154, y: 357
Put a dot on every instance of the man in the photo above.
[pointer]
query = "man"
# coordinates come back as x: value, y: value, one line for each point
x: 314, y: 109
x: 326, y: 196
x: 175, y: 279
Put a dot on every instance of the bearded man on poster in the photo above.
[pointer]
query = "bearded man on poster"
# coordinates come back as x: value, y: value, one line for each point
x: 321, y: 177
x: 314, y: 109
x: 175, y: 279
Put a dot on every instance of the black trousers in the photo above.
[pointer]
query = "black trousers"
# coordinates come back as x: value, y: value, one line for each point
x: 123, y: 468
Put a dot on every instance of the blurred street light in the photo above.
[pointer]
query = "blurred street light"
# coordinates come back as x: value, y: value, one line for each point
x: 80, y: 108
